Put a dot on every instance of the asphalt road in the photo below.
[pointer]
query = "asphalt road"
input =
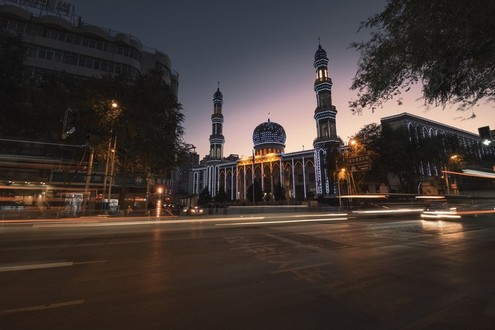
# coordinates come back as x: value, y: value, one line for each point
x: 278, y: 271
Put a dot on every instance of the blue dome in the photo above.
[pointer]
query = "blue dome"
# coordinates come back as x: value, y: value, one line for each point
x: 320, y: 54
x: 269, y: 133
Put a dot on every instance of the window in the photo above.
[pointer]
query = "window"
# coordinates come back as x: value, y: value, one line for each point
x: 3, y: 23
x: 20, y: 28
x: 62, y: 36
x: 12, y: 25
x: 41, y: 53
x: 31, y: 51
x: 73, y: 59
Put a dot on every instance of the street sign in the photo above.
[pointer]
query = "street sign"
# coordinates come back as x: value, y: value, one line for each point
x: 359, y: 163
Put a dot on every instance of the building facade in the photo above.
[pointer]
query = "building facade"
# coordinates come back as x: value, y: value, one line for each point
x: 312, y: 173
x: 420, y: 129
x: 59, y: 41
x: 300, y: 175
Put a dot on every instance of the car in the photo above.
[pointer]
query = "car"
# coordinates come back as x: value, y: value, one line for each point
x: 439, y: 211
x: 193, y: 210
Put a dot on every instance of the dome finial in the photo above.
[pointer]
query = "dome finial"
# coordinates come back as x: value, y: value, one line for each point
x: 218, y: 94
x: 268, y: 117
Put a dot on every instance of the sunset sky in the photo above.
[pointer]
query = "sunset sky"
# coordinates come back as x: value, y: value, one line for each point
x: 262, y: 54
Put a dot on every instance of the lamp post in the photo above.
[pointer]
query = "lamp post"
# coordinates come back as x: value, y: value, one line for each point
x: 254, y: 194
x: 112, y: 169
x: 87, y: 193
x: 110, y: 161
x: 454, y: 159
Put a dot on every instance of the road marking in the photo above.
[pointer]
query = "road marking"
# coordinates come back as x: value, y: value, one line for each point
x: 280, y: 221
x: 13, y: 268
x: 43, y: 307
x: 89, y: 262
x: 300, y: 268
x: 35, y: 266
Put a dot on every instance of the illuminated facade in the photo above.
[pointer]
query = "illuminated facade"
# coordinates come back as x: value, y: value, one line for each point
x: 327, y: 142
x: 300, y: 175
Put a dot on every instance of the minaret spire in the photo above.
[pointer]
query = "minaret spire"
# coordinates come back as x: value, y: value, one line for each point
x: 216, y: 138
x: 326, y: 143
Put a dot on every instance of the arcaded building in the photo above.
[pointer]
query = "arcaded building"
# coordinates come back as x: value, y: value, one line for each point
x: 302, y: 174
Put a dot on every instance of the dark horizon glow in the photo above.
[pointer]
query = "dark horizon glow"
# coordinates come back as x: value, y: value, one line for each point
x: 262, y: 53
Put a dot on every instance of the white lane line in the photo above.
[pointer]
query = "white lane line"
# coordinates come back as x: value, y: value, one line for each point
x: 89, y: 262
x: 43, y: 307
x: 300, y: 268
x: 280, y: 221
x: 35, y: 266
x: 13, y: 268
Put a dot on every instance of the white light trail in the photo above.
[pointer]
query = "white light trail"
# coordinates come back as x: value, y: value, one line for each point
x: 280, y: 221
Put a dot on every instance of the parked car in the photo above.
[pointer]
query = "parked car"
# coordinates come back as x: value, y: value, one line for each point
x: 193, y: 210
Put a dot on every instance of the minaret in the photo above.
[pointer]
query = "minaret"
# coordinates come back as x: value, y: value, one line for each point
x: 326, y: 144
x: 216, y: 138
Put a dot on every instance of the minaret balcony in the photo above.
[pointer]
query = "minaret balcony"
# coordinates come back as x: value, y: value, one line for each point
x: 217, y: 138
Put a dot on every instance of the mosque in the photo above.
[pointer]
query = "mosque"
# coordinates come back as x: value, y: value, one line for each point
x: 302, y: 175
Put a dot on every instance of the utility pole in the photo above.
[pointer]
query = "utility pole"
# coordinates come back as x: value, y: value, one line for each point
x: 87, y: 193
x: 254, y: 193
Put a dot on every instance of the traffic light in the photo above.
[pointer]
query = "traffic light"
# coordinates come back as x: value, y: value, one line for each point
x: 70, y: 121
x: 485, y: 135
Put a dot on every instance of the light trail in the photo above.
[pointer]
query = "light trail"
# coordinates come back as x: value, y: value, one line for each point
x: 43, y: 307
x: 280, y: 221
x: 18, y: 267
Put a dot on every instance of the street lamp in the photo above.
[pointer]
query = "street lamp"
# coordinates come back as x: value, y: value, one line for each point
x: 254, y: 195
x: 453, y: 159
x: 110, y: 161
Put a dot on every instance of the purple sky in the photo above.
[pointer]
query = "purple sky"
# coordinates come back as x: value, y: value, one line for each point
x: 262, y: 54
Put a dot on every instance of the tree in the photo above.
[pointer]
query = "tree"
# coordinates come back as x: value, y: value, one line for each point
x: 368, y: 137
x: 221, y: 196
x: 447, y: 45
x: 204, y: 197
x: 279, y: 192
x: 400, y: 157
x: 13, y: 105
x: 367, y: 143
x: 258, y: 192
